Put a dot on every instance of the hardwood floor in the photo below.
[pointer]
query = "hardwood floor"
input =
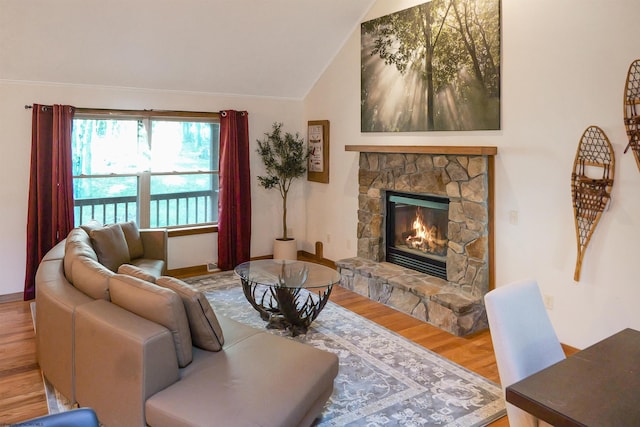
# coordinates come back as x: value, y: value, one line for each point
x: 22, y: 394
x: 21, y: 390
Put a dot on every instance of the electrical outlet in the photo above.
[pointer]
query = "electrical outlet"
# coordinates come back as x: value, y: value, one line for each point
x: 548, y: 301
x: 328, y: 238
x: 211, y: 266
x: 513, y: 217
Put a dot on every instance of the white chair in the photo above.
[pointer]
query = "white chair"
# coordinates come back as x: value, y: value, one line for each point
x: 523, y: 338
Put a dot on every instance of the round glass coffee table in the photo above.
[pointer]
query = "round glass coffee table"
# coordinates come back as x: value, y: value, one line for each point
x: 287, y: 294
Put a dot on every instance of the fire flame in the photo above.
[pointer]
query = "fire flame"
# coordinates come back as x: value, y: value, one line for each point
x: 424, y: 237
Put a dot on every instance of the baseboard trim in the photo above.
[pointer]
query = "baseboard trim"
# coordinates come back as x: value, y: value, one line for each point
x: 196, y: 270
x: 18, y: 296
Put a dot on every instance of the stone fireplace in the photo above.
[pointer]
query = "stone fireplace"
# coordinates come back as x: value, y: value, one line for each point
x: 450, y: 189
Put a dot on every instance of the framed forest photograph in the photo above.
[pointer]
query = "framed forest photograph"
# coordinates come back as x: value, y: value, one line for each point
x: 432, y: 67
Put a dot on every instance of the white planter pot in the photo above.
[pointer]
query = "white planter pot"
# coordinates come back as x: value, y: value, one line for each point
x: 285, y: 249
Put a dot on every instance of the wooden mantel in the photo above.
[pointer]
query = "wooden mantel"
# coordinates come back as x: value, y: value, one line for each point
x: 426, y: 149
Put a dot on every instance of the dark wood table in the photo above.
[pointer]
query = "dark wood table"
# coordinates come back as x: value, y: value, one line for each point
x: 598, y: 386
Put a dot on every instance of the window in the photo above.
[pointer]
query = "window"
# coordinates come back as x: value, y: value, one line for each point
x: 158, y: 169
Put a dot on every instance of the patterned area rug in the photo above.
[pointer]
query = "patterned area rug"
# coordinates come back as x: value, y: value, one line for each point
x: 384, y: 379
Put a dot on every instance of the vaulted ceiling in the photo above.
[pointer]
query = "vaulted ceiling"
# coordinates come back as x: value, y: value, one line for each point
x: 273, y: 48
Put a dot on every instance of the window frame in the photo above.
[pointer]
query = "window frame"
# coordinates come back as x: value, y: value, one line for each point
x: 144, y: 177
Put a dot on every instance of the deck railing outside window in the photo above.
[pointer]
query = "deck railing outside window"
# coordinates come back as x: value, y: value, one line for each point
x: 175, y: 209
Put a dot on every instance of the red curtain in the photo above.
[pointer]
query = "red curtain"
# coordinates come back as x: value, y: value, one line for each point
x: 50, y: 211
x: 234, y: 203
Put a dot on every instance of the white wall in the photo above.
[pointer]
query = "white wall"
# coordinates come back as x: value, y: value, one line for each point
x: 564, y: 65
x: 15, y: 146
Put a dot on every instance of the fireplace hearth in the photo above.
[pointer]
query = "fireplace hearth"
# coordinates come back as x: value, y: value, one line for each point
x: 416, y: 232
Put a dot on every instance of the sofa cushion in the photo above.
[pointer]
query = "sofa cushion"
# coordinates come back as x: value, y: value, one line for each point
x: 134, y: 241
x: 154, y: 267
x: 78, y: 234
x: 91, y: 225
x: 274, y: 381
x: 155, y: 303
x: 77, y: 248
x: 55, y: 253
x: 91, y: 277
x: 135, y: 271
x: 206, y: 332
x: 110, y: 246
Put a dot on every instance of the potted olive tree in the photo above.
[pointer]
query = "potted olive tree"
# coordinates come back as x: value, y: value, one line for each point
x: 285, y: 159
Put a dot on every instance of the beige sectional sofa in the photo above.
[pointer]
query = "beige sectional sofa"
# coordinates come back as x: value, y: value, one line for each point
x: 141, y: 348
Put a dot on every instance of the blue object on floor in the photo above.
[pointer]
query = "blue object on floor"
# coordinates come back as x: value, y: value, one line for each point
x: 81, y: 417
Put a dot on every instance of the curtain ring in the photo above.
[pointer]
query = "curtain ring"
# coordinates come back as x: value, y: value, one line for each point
x: 223, y: 113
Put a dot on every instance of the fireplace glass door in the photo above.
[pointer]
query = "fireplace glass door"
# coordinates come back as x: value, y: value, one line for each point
x: 416, y: 235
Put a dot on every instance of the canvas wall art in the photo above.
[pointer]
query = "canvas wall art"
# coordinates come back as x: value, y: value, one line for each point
x: 432, y: 67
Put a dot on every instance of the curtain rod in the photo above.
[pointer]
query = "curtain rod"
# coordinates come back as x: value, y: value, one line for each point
x: 147, y: 111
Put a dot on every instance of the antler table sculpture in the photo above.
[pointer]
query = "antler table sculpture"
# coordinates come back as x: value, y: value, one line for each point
x: 288, y: 294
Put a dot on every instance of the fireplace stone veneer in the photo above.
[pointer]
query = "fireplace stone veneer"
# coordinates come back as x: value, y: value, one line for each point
x: 465, y: 176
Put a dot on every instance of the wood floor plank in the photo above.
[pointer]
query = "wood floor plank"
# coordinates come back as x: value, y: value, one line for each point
x: 21, y: 390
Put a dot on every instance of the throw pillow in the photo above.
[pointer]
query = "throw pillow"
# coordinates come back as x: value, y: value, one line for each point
x: 158, y: 304
x: 110, y: 246
x: 206, y: 332
x: 134, y: 271
x: 134, y: 241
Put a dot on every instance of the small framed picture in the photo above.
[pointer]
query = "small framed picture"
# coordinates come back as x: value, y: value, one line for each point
x: 318, y: 138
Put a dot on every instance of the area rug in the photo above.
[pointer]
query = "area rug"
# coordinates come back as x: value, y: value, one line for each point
x: 384, y: 379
